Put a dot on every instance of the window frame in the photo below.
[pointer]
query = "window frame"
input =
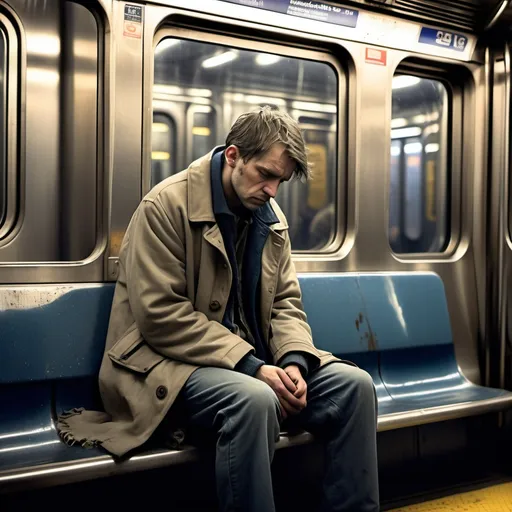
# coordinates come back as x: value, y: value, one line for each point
x: 456, y: 81
x: 273, y: 44
x: 14, y: 170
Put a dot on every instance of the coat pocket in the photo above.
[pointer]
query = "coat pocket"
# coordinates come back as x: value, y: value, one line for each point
x: 133, y: 353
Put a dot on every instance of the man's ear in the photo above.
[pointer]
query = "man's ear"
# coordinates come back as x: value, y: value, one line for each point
x: 232, y: 155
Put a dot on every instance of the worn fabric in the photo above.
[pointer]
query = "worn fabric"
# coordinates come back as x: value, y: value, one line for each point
x: 166, y: 318
x: 243, y: 416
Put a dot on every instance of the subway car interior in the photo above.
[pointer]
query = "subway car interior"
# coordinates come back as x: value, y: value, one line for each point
x: 402, y: 239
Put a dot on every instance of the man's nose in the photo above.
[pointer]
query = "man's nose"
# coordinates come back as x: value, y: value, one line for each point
x: 271, y: 188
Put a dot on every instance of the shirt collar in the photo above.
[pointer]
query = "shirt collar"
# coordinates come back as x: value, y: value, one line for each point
x: 264, y: 213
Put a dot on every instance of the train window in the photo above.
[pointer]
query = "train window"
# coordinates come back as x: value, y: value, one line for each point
x: 162, y: 148
x: 418, y: 192
x: 211, y: 85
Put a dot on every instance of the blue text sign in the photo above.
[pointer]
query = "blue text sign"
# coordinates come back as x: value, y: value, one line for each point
x: 443, y: 39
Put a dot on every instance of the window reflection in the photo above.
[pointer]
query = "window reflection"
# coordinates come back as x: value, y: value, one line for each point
x: 418, y: 195
x: 208, y: 86
x: 162, y: 148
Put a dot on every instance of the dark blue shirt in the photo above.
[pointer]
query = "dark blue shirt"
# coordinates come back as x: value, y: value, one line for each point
x: 243, y: 309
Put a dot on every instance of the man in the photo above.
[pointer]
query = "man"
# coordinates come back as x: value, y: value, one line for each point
x: 208, y: 308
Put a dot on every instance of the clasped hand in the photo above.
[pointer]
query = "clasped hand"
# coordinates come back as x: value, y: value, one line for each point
x: 289, y: 386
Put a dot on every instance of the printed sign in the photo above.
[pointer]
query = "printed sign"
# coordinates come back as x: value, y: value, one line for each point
x: 319, y: 11
x: 443, y: 39
x: 133, y: 21
x: 375, y: 56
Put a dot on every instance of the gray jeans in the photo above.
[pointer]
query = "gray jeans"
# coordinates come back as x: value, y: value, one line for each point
x: 244, y: 415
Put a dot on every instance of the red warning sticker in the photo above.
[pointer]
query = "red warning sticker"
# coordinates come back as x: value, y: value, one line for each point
x: 376, y: 56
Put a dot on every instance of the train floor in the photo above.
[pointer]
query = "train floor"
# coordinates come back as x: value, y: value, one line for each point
x: 493, y: 498
x: 456, y: 466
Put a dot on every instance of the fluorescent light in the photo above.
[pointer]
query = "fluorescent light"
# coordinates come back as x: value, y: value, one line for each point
x: 167, y: 89
x: 265, y: 99
x: 237, y: 96
x: 202, y: 131
x: 413, y: 148
x: 166, y: 43
x: 432, y: 148
x: 202, y: 109
x: 395, y: 150
x: 160, y: 128
x: 160, y: 155
x: 399, y: 122
x: 402, y: 81
x: 433, y: 128
x: 205, y: 93
x: 414, y: 131
x: 315, y: 107
x: 265, y: 59
x: 218, y: 60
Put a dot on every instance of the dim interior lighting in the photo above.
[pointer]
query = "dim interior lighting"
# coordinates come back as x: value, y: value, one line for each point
x: 399, y: 122
x: 314, y: 107
x: 202, y: 131
x: 432, y: 148
x: 413, y: 131
x: 166, y: 43
x: 402, y: 81
x: 265, y: 59
x: 160, y: 155
x: 265, y: 100
x: 205, y: 93
x: 167, y: 89
x: 160, y: 128
x: 395, y: 151
x: 218, y: 60
x: 413, y: 148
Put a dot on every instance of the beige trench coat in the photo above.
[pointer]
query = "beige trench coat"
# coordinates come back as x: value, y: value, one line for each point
x: 170, y: 297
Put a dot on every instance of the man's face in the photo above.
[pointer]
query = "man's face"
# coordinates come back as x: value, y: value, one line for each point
x: 256, y: 181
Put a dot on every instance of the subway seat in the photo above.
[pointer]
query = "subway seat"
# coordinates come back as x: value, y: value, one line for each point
x: 393, y: 325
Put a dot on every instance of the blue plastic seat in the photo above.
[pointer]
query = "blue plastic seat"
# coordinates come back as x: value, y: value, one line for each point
x: 395, y: 326
x: 337, y: 316
x: 52, y: 343
x: 409, y: 318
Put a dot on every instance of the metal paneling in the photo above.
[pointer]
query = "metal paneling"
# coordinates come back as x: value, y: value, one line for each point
x: 79, y: 96
x: 127, y: 175
x: 61, y: 171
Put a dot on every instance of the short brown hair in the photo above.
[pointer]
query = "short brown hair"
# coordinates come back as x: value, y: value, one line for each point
x: 253, y: 133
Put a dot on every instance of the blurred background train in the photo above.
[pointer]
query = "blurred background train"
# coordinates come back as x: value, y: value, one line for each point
x: 404, y: 104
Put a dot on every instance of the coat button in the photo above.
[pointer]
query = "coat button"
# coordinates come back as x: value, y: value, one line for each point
x: 161, y: 392
x: 215, y: 305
